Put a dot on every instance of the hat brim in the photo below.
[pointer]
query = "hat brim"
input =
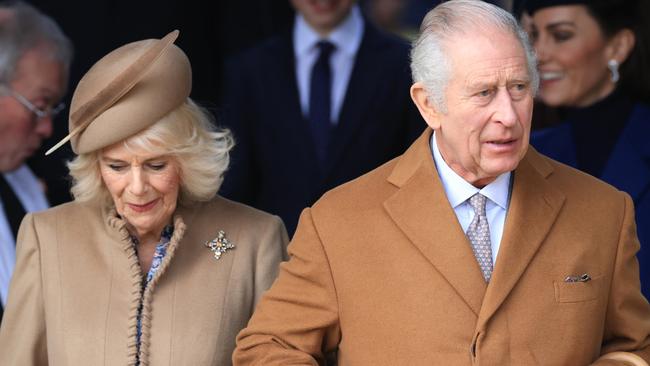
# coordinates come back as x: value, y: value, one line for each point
x: 82, y: 116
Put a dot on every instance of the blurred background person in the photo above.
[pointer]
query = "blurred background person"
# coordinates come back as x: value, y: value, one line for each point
x: 593, y: 63
x: 314, y: 107
x: 388, y: 15
x: 403, y: 17
x: 146, y: 266
x: 400, y: 17
x: 35, y: 58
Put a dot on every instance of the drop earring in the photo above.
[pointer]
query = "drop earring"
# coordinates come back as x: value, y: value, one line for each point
x: 612, y: 65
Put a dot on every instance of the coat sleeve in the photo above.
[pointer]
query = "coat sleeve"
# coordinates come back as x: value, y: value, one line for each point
x: 23, y: 333
x: 296, y: 321
x: 626, y: 340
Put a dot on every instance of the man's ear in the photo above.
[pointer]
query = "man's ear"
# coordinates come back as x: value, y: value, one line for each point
x: 428, y: 111
x: 620, y: 45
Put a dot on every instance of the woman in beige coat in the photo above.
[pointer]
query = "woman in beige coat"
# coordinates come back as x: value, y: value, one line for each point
x: 147, y: 266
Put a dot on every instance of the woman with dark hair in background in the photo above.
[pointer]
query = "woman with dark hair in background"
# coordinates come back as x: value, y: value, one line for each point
x: 593, y: 63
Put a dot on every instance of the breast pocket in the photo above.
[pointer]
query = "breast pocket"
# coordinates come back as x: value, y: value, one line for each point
x: 577, y: 291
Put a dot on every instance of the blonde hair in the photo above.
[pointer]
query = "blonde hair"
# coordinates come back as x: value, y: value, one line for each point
x: 188, y: 135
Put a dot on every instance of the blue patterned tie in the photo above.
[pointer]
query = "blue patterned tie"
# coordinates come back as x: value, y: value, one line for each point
x: 478, y: 234
x: 320, y: 118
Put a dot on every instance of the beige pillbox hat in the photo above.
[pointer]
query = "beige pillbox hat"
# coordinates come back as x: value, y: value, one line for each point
x: 127, y: 91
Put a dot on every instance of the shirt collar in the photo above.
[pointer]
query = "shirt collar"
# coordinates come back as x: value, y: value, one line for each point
x: 346, y: 37
x: 458, y: 190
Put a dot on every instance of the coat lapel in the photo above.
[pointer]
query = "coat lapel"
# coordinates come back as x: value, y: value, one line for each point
x: 421, y: 210
x: 534, y: 207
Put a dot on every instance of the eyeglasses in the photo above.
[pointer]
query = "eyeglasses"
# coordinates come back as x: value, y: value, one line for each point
x: 48, y: 111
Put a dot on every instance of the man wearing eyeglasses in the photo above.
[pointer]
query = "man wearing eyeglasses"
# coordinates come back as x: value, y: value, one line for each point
x: 35, y: 58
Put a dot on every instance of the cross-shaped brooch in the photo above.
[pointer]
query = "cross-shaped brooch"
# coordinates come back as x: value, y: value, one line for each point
x: 219, y: 245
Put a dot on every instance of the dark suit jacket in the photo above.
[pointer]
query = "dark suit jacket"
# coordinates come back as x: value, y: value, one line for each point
x: 628, y: 169
x: 381, y: 268
x: 274, y: 164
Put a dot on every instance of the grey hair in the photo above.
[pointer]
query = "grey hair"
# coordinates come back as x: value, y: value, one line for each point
x: 23, y: 28
x: 430, y: 64
x: 188, y: 135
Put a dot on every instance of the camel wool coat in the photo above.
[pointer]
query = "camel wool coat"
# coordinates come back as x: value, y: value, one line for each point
x: 381, y: 270
x: 76, y: 288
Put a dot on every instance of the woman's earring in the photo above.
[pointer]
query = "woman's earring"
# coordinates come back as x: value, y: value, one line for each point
x: 612, y: 65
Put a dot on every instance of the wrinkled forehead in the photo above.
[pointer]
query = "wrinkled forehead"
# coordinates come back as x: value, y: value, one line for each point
x: 487, y: 75
x: 477, y: 47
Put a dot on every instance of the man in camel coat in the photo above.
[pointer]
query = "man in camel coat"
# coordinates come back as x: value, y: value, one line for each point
x: 469, y: 249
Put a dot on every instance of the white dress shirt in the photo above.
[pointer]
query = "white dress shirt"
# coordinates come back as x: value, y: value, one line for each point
x: 30, y: 193
x: 347, y: 39
x: 458, y: 191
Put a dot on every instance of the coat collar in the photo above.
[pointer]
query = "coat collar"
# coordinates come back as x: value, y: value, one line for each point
x: 115, y: 226
x: 421, y: 210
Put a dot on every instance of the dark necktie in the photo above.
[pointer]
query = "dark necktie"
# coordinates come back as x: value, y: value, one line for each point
x: 320, y: 98
x: 13, y: 208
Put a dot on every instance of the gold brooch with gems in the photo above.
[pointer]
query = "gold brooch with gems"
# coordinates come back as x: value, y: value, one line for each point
x: 220, y: 244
